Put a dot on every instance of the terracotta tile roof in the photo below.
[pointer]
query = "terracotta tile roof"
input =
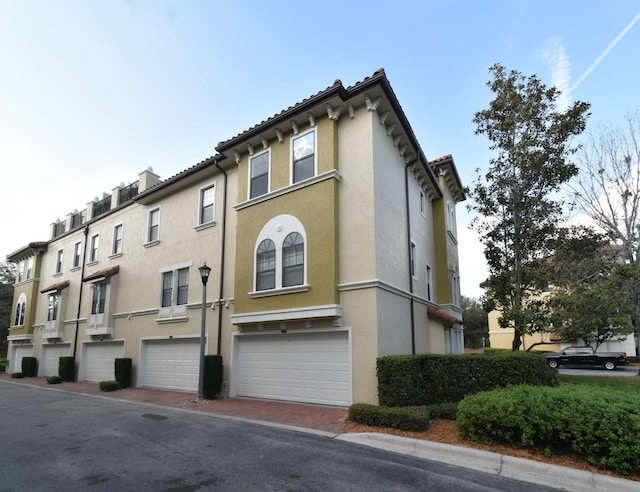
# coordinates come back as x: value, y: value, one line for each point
x: 102, y: 274
x: 447, y: 319
x: 55, y: 287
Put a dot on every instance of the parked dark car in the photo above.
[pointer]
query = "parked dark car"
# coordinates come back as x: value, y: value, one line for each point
x: 586, y: 356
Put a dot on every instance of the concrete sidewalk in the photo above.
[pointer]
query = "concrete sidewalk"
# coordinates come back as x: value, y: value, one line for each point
x: 328, y: 421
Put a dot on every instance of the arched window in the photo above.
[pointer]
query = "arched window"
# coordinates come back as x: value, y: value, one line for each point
x: 266, y: 265
x: 21, y: 309
x: 293, y: 260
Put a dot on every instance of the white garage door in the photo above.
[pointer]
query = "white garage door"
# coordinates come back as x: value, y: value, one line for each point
x: 49, y: 356
x: 170, y: 364
x: 99, y: 360
x: 20, y: 351
x: 303, y: 367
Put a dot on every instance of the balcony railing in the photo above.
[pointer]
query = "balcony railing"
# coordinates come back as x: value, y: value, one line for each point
x: 127, y: 193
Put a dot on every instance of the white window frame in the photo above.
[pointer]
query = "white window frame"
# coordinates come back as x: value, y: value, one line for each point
x: 116, y: 243
x: 250, y: 170
x: 94, y: 249
x: 413, y: 259
x: 29, y: 268
x: 20, y: 271
x: 174, y: 309
x: 315, y: 154
x: 53, y: 310
x: 277, y: 229
x: 201, y: 205
x: 150, y: 225
x: 59, y: 260
x: 77, y: 254
x: 422, y: 203
x: 97, y: 310
x: 21, y: 310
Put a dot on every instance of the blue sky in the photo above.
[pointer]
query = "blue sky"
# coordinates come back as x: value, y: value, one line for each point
x: 93, y: 92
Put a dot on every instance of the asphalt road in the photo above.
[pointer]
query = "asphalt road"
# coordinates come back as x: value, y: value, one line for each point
x: 59, y: 441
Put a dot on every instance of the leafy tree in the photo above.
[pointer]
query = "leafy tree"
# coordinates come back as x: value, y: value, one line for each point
x: 589, y: 299
x: 609, y: 192
x: 517, y: 213
x: 476, y: 323
x: 7, y: 279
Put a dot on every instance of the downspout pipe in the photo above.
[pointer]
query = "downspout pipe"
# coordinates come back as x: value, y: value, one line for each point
x: 84, y: 262
x: 411, y: 300
x: 222, y: 252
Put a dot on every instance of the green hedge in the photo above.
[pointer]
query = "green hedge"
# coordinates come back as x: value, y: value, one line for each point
x: 109, y: 386
x: 405, y: 418
x: 29, y: 367
x: 213, y: 372
x: 66, y: 368
x: 415, y: 380
x: 602, y: 426
x: 123, y: 367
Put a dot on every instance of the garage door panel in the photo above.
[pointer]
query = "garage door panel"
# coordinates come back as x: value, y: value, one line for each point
x: 20, y: 352
x: 309, y: 367
x: 171, y: 364
x: 100, y: 360
x: 50, y: 358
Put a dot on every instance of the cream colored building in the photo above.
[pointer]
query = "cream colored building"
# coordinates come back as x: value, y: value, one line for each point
x: 332, y: 241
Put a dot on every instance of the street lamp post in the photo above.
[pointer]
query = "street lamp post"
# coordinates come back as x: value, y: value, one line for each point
x: 204, y: 275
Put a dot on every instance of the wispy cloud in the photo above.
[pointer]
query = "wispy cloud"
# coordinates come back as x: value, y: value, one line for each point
x: 604, y: 54
x: 558, y: 60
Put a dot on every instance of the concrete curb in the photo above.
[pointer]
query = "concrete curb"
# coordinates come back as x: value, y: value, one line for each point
x: 545, y: 474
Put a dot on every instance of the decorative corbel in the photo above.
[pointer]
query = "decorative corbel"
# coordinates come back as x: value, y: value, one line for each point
x: 236, y: 156
x: 390, y: 129
x: 372, y: 105
x: 312, y: 120
x: 383, y: 117
x: 279, y: 135
x: 396, y: 140
x: 352, y: 112
x: 250, y: 149
x: 402, y: 149
x: 265, y: 144
x: 294, y: 127
x: 334, y: 113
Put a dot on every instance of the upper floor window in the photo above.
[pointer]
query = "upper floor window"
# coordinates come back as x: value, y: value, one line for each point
x: 93, y: 252
x: 207, y: 203
x: 293, y: 260
x: 77, y: 252
x: 412, y: 259
x: 422, y: 202
x: 21, y: 271
x: 153, y: 228
x: 29, y: 268
x: 429, y: 283
x: 259, y: 171
x: 52, y: 310
x: 175, y: 290
x: 98, y: 302
x: 303, y: 152
x: 266, y: 265
x: 21, y: 309
x: 116, y: 248
x: 59, y: 259
x: 280, y: 256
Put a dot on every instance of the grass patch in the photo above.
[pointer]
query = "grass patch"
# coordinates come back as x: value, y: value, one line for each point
x: 625, y: 383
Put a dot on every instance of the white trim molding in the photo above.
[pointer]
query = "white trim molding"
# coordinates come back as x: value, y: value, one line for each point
x: 327, y: 311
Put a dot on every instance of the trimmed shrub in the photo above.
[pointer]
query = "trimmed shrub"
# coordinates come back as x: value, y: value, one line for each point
x: 405, y: 418
x: 29, y: 367
x: 109, y: 386
x: 3, y: 364
x: 17, y: 375
x: 213, y: 371
x: 54, y: 380
x: 600, y: 426
x: 414, y: 380
x: 446, y: 411
x: 123, y: 371
x: 66, y: 368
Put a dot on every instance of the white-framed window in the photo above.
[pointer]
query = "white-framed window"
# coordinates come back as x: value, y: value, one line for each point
x: 59, y: 260
x: 98, y: 303
x: 207, y: 204
x: 77, y: 253
x: 95, y: 243
x: 280, y: 257
x: 52, y: 311
x: 174, y: 290
x: 116, y: 246
x: 259, y: 173
x: 303, y: 156
x: 21, y: 310
x: 455, y: 287
x: 266, y: 265
x: 422, y: 203
x: 412, y: 259
x: 29, y: 268
x: 21, y: 271
x: 153, y: 227
x: 429, y: 283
